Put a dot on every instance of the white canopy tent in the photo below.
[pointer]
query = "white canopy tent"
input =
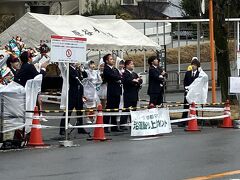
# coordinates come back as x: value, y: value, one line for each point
x: 104, y: 34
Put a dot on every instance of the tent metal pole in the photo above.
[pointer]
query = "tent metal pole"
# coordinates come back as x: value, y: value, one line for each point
x: 157, y: 33
x: 238, y: 41
x: 144, y: 28
x: 179, y: 53
x: 238, y: 36
x: 198, y: 41
x: 144, y: 61
x: 164, y: 33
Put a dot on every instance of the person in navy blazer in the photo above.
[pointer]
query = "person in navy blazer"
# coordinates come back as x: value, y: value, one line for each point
x: 131, y: 85
x: 114, y: 90
x: 27, y: 70
x: 75, y: 95
x: 156, y: 81
x: 189, y: 77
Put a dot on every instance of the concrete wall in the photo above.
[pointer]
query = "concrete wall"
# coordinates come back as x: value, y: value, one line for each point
x: 9, y: 13
x: 82, y: 3
x: 13, y: 8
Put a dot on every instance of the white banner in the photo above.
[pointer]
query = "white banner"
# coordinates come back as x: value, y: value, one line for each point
x: 234, y: 85
x: 68, y: 49
x: 150, y: 122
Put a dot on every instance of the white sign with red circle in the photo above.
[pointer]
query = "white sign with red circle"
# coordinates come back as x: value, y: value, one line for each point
x: 68, y: 53
x: 68, y: 49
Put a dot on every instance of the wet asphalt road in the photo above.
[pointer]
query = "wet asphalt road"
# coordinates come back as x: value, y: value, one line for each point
x: 177, y: 156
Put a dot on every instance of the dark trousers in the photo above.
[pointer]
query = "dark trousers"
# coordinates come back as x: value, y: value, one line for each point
x: 127, y: 104
x: 185, y: 114
x: 156, y: 99
x: 78, y: 105
x: 112, y: 103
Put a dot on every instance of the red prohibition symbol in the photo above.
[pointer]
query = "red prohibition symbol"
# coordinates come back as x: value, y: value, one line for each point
x: 68, y: 53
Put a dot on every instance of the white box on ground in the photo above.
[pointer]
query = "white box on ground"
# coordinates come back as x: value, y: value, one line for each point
x: 68, y: 49
x: 234, y: 85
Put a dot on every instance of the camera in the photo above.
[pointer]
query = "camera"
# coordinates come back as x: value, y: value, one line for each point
x: 44, y: 49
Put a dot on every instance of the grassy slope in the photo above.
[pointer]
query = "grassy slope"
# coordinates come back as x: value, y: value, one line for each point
x: 187, y: 52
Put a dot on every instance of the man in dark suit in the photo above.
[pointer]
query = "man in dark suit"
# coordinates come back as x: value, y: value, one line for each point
x: 190, y: 76
x: 114, y: 89
x: 75, y: 97
x: 131, y: 85
x: 156, y: 81
x: 28, y: 70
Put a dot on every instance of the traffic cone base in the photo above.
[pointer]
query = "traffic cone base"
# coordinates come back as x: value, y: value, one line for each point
x: 98, y: 134
x: 36, y: 133
x: 227, y: 126
x: 192, y: 124
x: 227, y: 121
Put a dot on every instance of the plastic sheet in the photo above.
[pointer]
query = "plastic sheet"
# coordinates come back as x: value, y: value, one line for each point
x: 198, y: 90
x: 102, y: 91
x: 63, y: 69
x: 90, y: 93
x: 32, y: 88
x: 12, y: 107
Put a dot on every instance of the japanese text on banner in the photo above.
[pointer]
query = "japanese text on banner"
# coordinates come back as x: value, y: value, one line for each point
x: 150, y: 122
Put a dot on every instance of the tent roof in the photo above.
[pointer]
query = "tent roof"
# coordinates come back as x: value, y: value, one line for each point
x: 101, y: 34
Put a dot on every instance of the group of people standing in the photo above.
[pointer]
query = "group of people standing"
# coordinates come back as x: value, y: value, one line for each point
x: 120, y: 83
x: 126, y: 83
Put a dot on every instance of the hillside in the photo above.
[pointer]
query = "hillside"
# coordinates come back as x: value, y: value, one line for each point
x: 187, y: 52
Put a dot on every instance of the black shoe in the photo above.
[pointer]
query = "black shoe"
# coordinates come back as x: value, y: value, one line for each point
x: 62, y: 133
x: 124, y: 128
x: 106, y: 131
x: 83, y: 131
x: 116, y: 130
x: 182, y: 125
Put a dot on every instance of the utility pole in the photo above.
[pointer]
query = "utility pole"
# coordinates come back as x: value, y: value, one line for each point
x: 211, y: 30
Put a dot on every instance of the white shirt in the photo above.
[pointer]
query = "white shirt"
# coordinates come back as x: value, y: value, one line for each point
x: 129, y: 71
x: 110, y: 66
x: 194, y: 73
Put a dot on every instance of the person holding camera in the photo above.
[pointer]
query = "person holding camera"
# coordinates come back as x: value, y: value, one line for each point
x: 27, y: 70
x: 156, y: 81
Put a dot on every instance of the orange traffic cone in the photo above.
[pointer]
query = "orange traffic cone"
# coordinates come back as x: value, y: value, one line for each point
x: 192, y: 124
x: 227, y: 121
x: 98, y: 133
x: 36, y: 133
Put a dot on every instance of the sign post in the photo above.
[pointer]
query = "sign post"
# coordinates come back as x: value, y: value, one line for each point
x: 68, y: 50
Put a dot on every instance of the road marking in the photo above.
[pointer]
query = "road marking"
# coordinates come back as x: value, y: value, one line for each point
x: 213, y: 176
